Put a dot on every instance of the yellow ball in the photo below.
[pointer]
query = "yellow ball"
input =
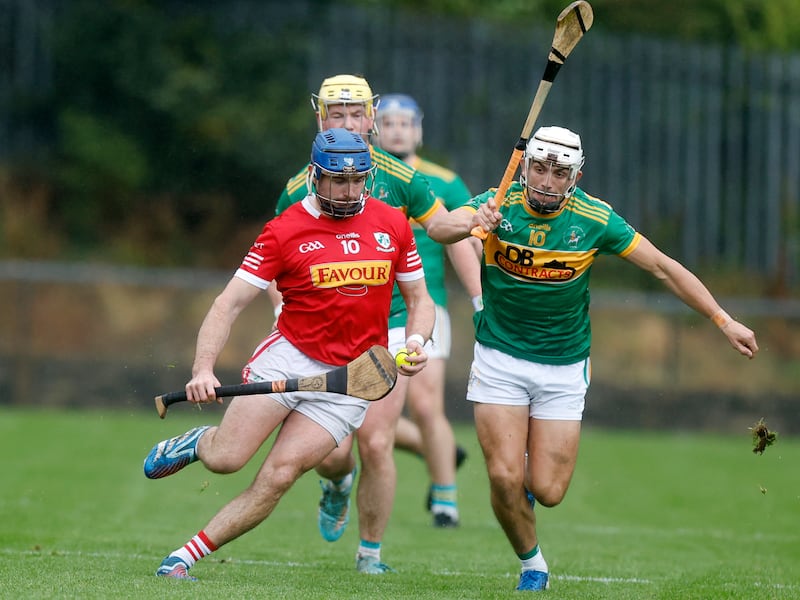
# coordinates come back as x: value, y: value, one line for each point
x: 400, y: 357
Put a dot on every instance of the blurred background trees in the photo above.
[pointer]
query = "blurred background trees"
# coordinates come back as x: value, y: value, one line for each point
x: 161, y: 133
x: 167, y: 128
x: 752, y: 24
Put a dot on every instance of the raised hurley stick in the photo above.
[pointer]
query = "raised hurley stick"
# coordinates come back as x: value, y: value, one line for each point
x: 571, y: 24
x: 370, y: 376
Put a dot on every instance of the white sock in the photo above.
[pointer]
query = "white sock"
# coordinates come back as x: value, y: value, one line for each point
x: 195, y: 549
x: 366, y: 548
x: 344, y: 484
x: 535, y: 562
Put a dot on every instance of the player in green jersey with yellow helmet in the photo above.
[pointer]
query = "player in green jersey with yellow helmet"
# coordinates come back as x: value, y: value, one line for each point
x: 346, y: 101
x: 530, y: 369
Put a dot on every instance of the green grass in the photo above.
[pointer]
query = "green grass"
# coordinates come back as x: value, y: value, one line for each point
x: 649, y: 515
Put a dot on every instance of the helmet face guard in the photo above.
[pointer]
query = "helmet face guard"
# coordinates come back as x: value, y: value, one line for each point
x: 408, y: 120
x: 340, y: 173
x: 555, y: 148
x: 345, y: 90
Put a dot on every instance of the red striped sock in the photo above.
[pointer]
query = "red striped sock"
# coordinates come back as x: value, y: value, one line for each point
x: 195, y: 549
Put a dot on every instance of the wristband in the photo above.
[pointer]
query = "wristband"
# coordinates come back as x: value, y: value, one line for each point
x: 721, y: 318
x: 477, y: 303
x: 278, y: 310
x: 415, y: 337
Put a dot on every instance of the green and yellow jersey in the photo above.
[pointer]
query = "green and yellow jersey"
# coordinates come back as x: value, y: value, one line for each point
x: 451, y: 191
x: 535, y: 275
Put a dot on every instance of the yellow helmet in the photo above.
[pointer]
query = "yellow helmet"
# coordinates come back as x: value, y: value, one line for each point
x: 343, y: 89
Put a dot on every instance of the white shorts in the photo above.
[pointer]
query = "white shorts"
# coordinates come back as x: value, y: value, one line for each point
x: 553, y: 392
x: 436, y: 347
x: 277, y: 358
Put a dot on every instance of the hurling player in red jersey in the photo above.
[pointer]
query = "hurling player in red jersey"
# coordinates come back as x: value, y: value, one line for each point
x: 336, y: 257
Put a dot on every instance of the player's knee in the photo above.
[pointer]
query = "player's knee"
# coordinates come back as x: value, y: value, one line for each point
x: 279, y: 478
x: 505, y: 483
x: 219, y: 458
x: 376, y: 447
x: 338, y: 461
x: 551, y: 494
x: 224, y: 464
x: 426, y: 414
x: 425, y: 405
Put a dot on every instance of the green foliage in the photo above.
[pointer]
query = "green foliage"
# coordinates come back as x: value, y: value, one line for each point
x: 173, y: 122
x: 108, y: 172
x: 183, y: 106
x: 752, y: 24
x: 648, y: 515
x: 773, y: 25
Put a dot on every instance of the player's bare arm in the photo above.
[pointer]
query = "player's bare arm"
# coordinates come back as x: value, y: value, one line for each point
x: 686, y: 286
x: 449, y: 227
x: 465, y: 259
x: 457, y: 224
x: 213, y: 335
x: 463, y: 255
x: 275, y: 296
x: 421, y: 315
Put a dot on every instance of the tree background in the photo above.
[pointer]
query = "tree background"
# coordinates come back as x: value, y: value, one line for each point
x: 169, y: 128
x: 137, y: 136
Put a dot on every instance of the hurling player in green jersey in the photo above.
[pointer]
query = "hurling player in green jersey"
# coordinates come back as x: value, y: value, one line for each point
x: 530, y: 369
x: 427, y: 433
x: 347, y: 101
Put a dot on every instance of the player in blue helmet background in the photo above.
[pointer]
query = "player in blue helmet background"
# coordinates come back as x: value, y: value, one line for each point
x: 428, y: 433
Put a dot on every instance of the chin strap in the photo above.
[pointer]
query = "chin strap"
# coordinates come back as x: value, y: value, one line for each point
x: 541, y: 207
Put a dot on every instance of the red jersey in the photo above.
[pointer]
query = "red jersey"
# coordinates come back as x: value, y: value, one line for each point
x: 336, y: 275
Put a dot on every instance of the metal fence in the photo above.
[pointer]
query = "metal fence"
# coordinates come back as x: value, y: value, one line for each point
x: 77, y: 335
x: 26, y: 69
x: 697, y: 146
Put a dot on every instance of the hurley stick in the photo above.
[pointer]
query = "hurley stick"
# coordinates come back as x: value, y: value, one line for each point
x: 370, y: 376
x: 572, y: 23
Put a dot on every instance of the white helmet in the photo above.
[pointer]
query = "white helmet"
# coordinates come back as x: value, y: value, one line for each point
x: 561, y: 148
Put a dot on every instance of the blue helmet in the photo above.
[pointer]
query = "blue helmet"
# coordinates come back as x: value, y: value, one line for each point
x: 340, y: 153
x: 395, y: 113
x: 402, y: 103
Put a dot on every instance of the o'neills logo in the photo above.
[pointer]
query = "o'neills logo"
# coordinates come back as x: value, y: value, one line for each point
x: 519, y: 263
x: 351, y: 278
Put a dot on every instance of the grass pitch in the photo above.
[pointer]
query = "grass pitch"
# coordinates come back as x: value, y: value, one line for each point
x: 649, y: 515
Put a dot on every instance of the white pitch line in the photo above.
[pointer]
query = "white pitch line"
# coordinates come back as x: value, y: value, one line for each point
x: 52, y: 552
x: 718, y: 534
x: 603, y: 579
x: 292, y: 564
